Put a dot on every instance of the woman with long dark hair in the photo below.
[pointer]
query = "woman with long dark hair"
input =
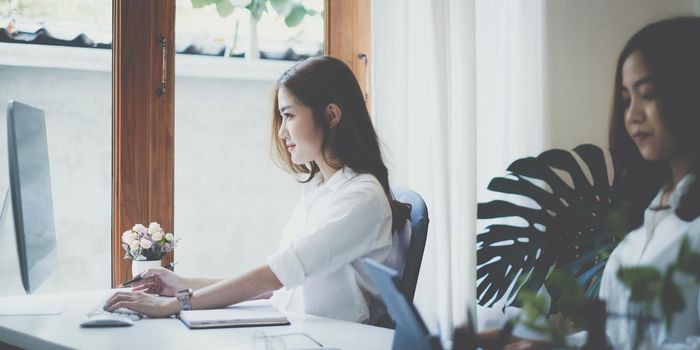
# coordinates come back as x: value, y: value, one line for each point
x: 655, y: 136
x: 322, y: 131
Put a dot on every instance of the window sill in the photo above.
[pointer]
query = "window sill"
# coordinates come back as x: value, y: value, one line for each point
x: 100, y: 60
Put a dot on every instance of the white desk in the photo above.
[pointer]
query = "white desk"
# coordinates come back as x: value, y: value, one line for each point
x: 63, y: 331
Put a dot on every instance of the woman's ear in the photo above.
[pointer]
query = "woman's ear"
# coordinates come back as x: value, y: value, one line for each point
x: 333, y: 113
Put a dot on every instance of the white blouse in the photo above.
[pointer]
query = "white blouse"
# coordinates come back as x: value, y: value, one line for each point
x: 334, y: 224
x: 655, y: 243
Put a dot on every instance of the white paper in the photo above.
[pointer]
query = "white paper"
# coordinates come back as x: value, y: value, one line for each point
x: 32, y: 305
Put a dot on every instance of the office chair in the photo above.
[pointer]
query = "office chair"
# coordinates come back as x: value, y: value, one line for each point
x: 406, y: 254
x: 573, y: 225
x: 417, y: 236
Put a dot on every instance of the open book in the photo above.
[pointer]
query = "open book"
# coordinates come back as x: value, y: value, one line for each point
x: 249, y: 313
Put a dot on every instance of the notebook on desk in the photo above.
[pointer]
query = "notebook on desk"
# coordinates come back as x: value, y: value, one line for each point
x: 253, y: 313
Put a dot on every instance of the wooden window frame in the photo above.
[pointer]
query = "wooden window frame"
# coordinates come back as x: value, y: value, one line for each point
x: 348, y: 37
x: 143, y: 122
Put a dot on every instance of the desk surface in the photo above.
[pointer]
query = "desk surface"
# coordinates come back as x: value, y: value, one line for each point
x: 63, y: 331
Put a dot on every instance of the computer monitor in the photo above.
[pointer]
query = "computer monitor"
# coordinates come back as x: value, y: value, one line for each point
x: 27, y: 201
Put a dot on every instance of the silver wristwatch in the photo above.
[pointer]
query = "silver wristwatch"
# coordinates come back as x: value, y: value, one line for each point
x: 184, y: 297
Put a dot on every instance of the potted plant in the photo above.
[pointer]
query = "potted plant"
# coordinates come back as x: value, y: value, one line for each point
x: 145, y: 246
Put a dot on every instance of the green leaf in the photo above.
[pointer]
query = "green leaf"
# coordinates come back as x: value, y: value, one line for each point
x: 534, y: 311
x: 201, y: 3
x: 257, y: 8
x: 671, y: 300
x: 282, y: 7
x: 688, y: 260
x: 572, y: 303
x: 534, y: 306
x: 295, y: 16
x: 644, y: 282
x: 685, y: 248
x: 224, y: 8
x: 617, y: 223
x: 689, y: 264
x: 563, y: 282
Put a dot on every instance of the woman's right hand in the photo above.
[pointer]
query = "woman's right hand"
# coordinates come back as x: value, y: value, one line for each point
x: 161, y: 281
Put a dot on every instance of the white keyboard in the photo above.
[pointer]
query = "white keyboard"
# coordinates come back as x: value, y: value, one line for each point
x: 99, y: 311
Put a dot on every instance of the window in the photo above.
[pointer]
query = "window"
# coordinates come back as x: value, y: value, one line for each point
x: 77, y: 100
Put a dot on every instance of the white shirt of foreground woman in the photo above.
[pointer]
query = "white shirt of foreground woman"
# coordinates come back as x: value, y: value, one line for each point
x: 655, y: 243
x: 334, y: 224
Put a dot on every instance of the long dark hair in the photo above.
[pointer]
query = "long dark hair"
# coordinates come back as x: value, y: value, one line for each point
x: 318, y: 82
x: 671, y: 51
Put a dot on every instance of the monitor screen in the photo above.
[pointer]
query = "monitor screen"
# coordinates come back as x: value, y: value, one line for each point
x: 30, y: 194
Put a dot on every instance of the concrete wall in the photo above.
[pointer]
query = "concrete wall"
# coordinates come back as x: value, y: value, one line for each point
x: 582, y: 40
x: 231, y: 201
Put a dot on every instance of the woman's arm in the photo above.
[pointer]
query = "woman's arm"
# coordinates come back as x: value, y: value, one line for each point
x: 253, y: 284
x: 198, y: 283
x: 161, y: 281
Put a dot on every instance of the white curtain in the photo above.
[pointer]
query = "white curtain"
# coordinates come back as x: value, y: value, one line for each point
x: 425, y: 113
x: 456, y: 83
x: 511, y: 119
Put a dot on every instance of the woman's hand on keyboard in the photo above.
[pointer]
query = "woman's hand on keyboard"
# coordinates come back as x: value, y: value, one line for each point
x: 160, y: 281
x: 147, y: 304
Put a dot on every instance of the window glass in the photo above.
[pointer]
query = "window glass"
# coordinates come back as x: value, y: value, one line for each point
x: 226, y: 30
x: 72, y: 84
x: 231, y: 201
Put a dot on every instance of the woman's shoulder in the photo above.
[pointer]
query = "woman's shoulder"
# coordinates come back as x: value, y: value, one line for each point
x: 364, y: 182
x: 637, y: 239
x: 346, y: 183
x: 364, y: 188
x: 366, y: 185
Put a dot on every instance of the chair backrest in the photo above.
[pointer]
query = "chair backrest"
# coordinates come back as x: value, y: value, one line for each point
x: 418, y: 235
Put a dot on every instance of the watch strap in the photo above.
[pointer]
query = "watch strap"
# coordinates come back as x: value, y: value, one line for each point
x: 184, y: 297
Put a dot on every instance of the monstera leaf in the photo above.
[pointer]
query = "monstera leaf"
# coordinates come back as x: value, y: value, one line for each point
x: 569, y: 227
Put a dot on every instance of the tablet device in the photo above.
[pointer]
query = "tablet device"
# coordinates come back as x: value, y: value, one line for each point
x: 411, y: 331
x: 252, y: 313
